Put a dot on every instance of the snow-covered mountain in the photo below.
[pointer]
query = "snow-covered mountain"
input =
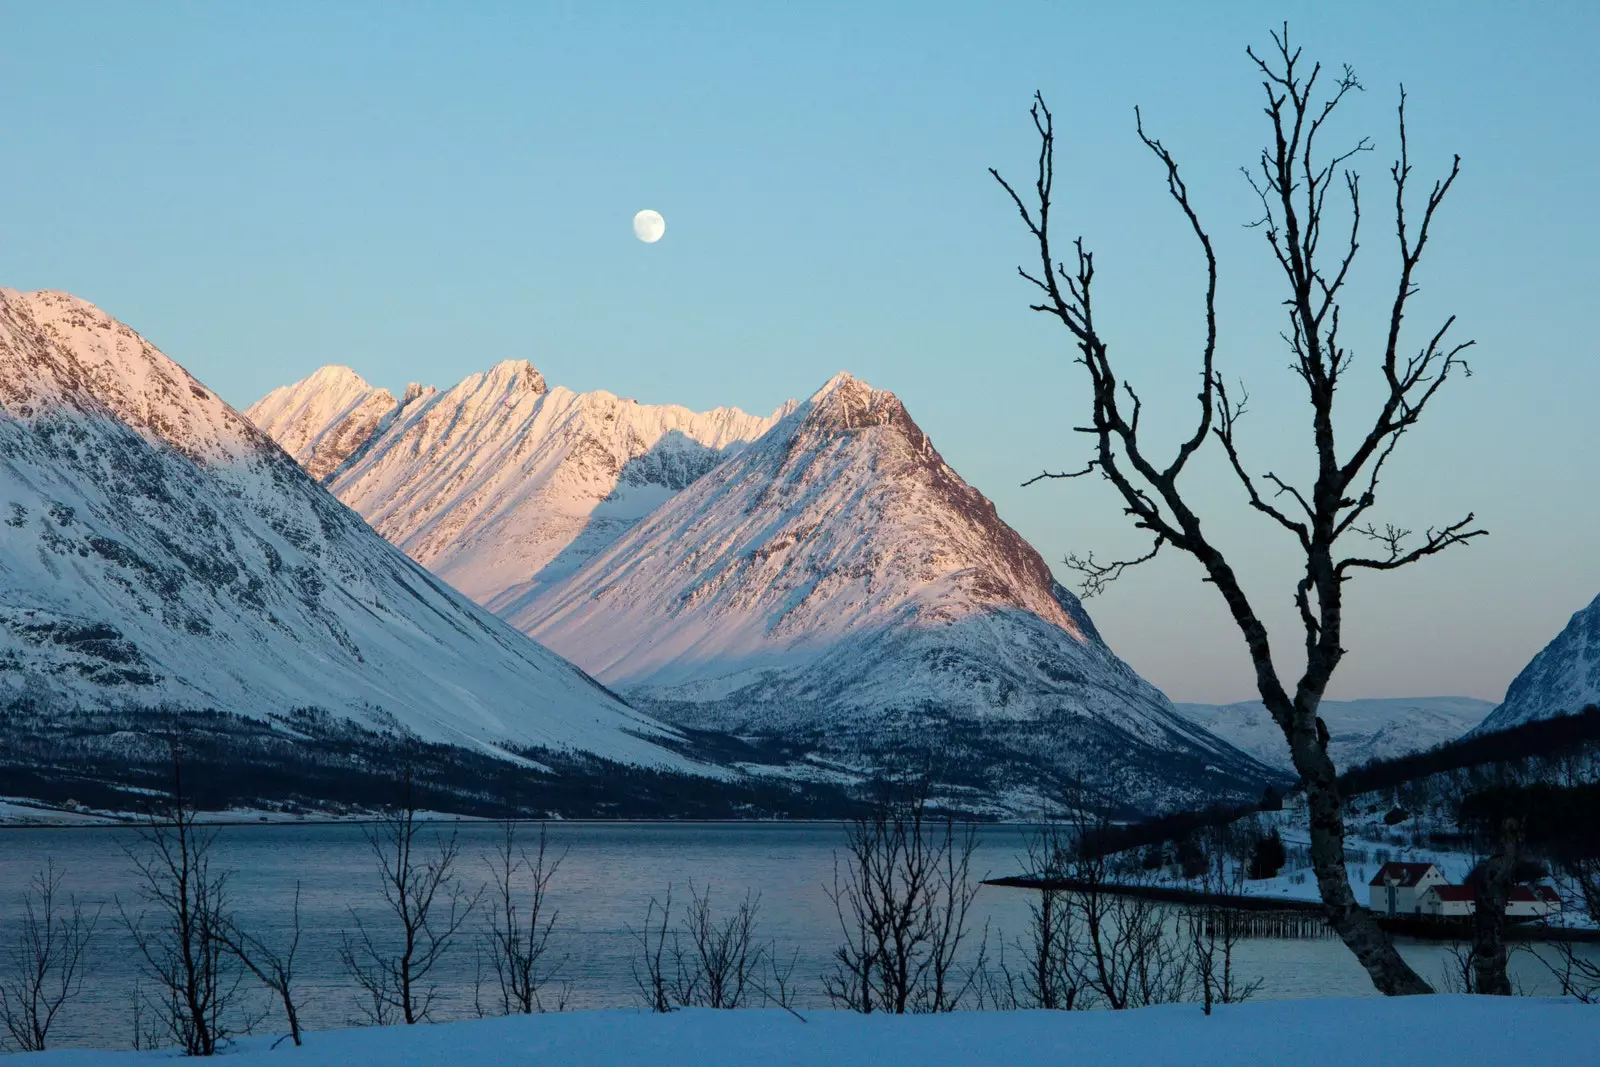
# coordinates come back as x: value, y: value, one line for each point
x: 499, y: 485
x: 837, y: 585
x: 1360, y: 730
x: 321, y: 420
x: 1563, y: 678
x: 158, y: 549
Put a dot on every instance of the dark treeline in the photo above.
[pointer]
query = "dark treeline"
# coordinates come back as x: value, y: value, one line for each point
x: 309, y: 760
x: 1531, y: 740
x: 1546, y: 742
x: 1106, y: 837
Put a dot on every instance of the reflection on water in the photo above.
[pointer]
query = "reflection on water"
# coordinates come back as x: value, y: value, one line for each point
x: 610, y: 873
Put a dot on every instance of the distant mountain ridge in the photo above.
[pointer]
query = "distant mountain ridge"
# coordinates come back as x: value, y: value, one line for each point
x: 1360, y: 731
x: 160, y: 551
x: 499, y: 484
x: 1563, y: 678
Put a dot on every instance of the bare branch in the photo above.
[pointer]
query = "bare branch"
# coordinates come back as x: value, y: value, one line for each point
x: 1096, y: 576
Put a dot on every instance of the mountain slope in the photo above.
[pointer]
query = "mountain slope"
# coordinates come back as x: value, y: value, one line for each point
x: 1360, y: 730
x: 501, y: 484
x: 160, y: 551
x: 838, y: 585
x: 1563, y: 678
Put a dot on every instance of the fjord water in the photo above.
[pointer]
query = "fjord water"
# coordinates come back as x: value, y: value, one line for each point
x: 608, y: 876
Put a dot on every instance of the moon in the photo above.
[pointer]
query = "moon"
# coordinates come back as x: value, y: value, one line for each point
x: 648, y: 226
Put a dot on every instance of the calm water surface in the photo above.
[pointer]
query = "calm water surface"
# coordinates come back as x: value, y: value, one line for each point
x: 610, y: 873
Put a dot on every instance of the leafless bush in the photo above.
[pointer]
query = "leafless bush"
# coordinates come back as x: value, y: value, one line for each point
x: 182, y: 950
x: 704, y: 962
x: 520, y: 925
x: 903, y: 898
x: 1215, y: 930
x: 274, y: 968
x: 428, y: 906
x: 45, y: 967
x: 717, y: 964
x: 1456, y: 973
x: 649, y: 967
x: 1113, y: 949
x: 1129, y: 953
x: 1578, y: 882
x: 1050, y: 977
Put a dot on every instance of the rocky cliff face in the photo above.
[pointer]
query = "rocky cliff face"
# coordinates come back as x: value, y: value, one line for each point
x: 159, y: 550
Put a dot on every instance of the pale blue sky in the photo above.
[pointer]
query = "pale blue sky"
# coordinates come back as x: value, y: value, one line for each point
x: 420, y: 190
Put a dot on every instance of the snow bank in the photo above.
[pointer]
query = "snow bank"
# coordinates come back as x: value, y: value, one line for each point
x: 1457, y: 1030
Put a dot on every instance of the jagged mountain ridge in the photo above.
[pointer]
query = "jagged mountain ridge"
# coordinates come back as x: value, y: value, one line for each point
x: 501, y: 484
x: 838, y: 583
x: 1563, y: 678
x: 159, y: 550
x: 323, y: 419
x: 1360, y: 731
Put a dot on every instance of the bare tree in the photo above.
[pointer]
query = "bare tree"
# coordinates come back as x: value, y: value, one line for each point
x: 428, y: 907
x: 520, y: 924
x: 1126, y: 950
x: 1215, y: 930
x: 717, y: 964
x: 1578, y: 974
x: 1050, y: 976
x: 704, y: 962
x: 649, y: 968
x: 46, y: 966
x: 1293, y: 179
x: 183, y: 950
x: 903, y: 900
x: 273, y: 968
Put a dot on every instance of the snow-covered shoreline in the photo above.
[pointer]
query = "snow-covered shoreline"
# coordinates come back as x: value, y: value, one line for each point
x: 1459, y: 1030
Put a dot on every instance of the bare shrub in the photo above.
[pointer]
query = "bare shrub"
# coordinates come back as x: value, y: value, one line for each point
x: 274, y: 968
x: 181, y: 937
x: 903, y: 897
x: 704, y: 962
x: 1578, y: 882
x: 1214, y: 930
x: 427, y: 906
x: 1050, y: 976
x: 649, y: 966
x: 520, y: 924
x: 46, y: 966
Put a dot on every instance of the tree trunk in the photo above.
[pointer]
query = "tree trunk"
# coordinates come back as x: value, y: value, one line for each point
x: 1489, y: 914
x: 1356, y: 927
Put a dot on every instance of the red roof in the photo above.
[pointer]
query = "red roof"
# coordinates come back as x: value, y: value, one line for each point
x: 1455, y: 892
x: 1518, y: 892
x: 1404, y: 874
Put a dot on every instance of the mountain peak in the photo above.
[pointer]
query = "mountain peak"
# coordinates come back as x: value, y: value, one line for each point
x: 847, y: 403
x: 334, y: 376
x: 323, y: 418
x: 515, y: 377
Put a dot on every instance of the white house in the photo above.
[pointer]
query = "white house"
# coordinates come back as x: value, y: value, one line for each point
x: 1397, y: 888
x: 1527, y: 902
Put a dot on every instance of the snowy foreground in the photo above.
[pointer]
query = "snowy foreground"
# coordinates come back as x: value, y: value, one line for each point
x: 1457, y: 1030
